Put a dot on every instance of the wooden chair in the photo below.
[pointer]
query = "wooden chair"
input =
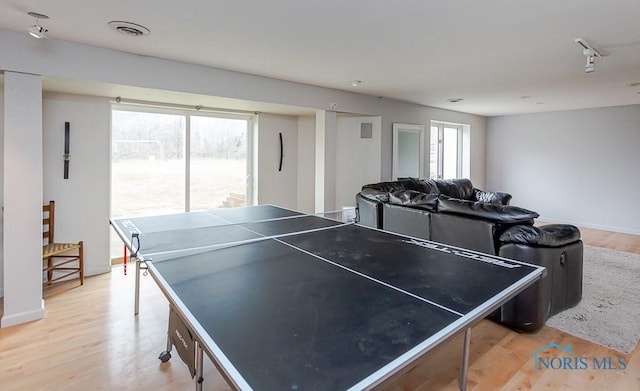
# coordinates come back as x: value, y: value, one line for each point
x: 67, y: 258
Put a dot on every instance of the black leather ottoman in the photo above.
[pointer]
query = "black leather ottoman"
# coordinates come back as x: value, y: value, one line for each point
x: 558, y: 248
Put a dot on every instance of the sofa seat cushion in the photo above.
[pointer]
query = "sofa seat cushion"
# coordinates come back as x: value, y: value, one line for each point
x: 414, y: 199
x: 494, y: 212
x: 552, y: 235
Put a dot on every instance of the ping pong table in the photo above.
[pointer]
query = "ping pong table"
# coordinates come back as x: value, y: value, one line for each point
x: 281, y: 300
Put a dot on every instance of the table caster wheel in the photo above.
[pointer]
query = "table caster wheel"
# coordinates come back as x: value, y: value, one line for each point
x: 165, y: 356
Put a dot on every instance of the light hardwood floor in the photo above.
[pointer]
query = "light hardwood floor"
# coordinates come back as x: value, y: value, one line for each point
x: 90, y: 340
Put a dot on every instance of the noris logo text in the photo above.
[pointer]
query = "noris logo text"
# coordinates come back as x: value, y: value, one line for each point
x: 558, y: 357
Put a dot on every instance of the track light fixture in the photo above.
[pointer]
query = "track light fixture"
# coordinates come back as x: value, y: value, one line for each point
x: 590, y: 53
x: 591, y: 66
x: 37, y: 31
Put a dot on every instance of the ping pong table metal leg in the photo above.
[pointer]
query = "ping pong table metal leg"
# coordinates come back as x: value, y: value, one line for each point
x: 462, y: 381
x: 199, y: 377
x: 137, y: 294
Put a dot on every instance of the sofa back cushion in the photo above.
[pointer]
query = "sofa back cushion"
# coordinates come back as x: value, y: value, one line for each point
x: 414, y: 199
x: 421, y: 185
x: 492, y: 197
x: 386, y: 187
x: 456, y: 188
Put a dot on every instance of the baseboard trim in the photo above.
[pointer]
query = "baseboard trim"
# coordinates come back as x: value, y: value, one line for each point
x: 91, y: 271
x: 97, y: 270
x: 23, y: 317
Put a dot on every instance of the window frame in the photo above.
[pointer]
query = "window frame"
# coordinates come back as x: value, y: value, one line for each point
x: 440, y: 127
x: 250, y: 183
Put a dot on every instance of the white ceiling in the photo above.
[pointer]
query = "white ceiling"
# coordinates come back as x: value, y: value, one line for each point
x: 500, y: 56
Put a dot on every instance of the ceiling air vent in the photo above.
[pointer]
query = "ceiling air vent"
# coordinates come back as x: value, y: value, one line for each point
x: 128, y: 28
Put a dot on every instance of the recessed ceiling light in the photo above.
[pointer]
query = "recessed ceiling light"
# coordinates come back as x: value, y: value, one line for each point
x: 355, y: 83
x: 634, y: 84
x: 454, y: 100
x: 128, y: 28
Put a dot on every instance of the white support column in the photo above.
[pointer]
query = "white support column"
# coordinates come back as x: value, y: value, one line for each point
x: 319, y: 171
x: 22, y: 234
x: 325, y: 173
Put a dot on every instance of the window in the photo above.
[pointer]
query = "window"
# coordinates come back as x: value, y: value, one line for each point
x: 147, y: 163
x: 218, y: 163
x: 445, y: 152
x: 169, y: 161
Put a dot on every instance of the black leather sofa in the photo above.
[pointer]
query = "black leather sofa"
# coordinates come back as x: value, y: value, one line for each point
x: 446, y: 211
x: 454, y: 212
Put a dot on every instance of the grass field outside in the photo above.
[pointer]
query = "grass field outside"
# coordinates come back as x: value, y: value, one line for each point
x: 149, y: 187
x: 145, y: 187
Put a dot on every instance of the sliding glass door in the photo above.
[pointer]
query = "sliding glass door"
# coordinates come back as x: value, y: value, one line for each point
x: 147, y: 163
x: 169, y: 161
x: 218, y: 163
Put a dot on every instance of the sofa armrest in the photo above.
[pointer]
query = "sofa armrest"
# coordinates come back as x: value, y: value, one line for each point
x: 491, y: 197
x: 376, y: 195
x: 368, y: 211
x: 493, y: 212
x: 552, y: 235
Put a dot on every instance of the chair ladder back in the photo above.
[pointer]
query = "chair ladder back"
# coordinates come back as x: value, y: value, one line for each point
x: 48, y: 221
x: 58, y: 256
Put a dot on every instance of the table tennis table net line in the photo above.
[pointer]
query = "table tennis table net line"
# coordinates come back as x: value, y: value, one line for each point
x: 200, y: 249
x: 231, y: 223
x: 134, y: 231
x: 132, y: 228
x: 372, y: 279
x: 317, y: 214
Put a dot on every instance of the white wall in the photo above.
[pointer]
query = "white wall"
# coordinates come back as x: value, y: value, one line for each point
x: 306, y: 163
x: 83, y: 62
x: 82, y: 201
x: 394, y: 111
x: 22, y: 212
x: 357, y: 159
x: 354, y: 162
x: 576, y: 166
x: 1, y: 185
x: 278, y: 187
x: 325, y: 162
